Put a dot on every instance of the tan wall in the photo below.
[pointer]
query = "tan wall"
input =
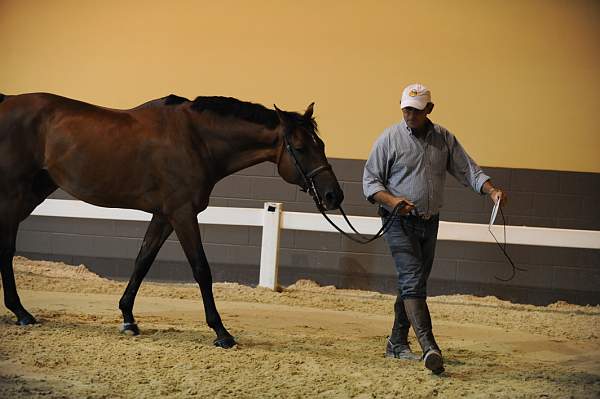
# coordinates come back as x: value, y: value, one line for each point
x: 517, y: 81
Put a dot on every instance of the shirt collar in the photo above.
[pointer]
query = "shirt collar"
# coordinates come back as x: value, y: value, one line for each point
x: 429, y: 125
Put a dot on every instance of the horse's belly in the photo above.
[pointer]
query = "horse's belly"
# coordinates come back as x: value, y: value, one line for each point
x: 111, y: 185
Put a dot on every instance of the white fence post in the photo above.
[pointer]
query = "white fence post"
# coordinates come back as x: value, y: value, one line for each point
x: 269, y: 253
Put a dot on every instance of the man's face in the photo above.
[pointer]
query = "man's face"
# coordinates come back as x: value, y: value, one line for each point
x: 416, y: 118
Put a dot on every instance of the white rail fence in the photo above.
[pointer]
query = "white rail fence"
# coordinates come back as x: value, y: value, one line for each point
x: 272, y: 219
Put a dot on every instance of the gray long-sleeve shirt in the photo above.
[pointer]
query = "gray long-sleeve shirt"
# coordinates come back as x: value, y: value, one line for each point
x: 407, y: 166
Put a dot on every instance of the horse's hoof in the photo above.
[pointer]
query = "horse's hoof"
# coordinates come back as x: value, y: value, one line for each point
x: 130, y: 329
x: 26, y: 320
x: 225, y: 343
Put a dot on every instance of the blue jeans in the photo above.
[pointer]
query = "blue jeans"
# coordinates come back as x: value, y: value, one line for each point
x: 412, y: 243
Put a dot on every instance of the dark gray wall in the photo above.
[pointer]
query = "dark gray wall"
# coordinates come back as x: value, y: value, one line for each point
x: 537, y: 198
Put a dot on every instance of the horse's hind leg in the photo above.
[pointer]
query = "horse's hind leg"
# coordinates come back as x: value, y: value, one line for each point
x: 8, y: 238
x: 15, y: 207
x: 158, y: 231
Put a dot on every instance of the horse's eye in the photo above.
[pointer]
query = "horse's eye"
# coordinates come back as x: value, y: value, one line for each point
x: 299, y: 149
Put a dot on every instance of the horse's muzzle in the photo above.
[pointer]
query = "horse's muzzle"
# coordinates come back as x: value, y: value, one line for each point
x: 333, y: 199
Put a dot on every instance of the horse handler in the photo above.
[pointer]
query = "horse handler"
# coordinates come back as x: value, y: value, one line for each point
x: 407, y: 166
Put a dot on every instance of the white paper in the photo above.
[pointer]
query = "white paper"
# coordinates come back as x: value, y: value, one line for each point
x: 494, y: 213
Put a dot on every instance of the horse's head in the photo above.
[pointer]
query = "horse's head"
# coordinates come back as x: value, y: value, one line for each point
x: 302, y: 159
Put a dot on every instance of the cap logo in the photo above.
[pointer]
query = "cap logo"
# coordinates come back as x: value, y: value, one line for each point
x: 413, y: 93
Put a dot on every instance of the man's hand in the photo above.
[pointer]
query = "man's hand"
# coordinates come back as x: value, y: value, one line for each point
x: 391, y: 201
x: 404, y: 210
x: 498, y: 195
x: 495, y: 193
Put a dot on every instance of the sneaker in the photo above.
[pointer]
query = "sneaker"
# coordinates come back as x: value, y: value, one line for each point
x: 400, y: 351
x: 434, y: 361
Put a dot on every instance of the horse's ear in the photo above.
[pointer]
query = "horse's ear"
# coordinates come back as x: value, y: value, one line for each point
x: 309, y: 111
x: 281, y: 115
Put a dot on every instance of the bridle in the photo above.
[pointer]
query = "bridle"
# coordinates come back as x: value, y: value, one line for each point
x: 308, y: 178
x: 309, y: 186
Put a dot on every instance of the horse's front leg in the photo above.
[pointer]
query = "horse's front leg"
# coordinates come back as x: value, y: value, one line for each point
x: 158, y: 231
x: 185, y: 224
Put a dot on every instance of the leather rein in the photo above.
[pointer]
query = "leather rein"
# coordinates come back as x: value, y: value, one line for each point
x: 309, y: 186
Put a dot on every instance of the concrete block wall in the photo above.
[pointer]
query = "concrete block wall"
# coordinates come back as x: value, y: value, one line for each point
x: 537, y: 198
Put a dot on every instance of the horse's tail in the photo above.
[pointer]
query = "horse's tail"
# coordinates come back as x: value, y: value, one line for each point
x: 2, y: 97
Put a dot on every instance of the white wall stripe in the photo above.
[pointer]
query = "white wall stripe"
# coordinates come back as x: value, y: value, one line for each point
x: 521, y: 235
x: 272, y: 219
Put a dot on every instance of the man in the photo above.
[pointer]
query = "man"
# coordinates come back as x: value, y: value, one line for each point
x: 407, y: 166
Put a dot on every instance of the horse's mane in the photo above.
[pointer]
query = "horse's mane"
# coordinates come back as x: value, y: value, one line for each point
x: 228, y: 106
x: 171, y: 99
x: 251, y: 112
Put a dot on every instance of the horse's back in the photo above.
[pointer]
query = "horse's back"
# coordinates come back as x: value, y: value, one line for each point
x: 28, y: 111
x: 21, y: 148
x: 21, y: 122
x: 26, y: 118
x: 34, y: 125
x: 32, y: 100
x: 46, y: 104
x: 100, y: 155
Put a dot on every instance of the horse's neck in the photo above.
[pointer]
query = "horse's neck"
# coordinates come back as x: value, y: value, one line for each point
x: 245, y: 149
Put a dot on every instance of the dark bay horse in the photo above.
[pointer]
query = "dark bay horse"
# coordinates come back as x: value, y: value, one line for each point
x: 163, y: 157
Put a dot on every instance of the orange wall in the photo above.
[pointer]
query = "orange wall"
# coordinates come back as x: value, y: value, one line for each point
x: 516, y: 80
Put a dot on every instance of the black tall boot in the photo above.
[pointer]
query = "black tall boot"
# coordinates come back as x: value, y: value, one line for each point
x: 418, y: 314
x: 397, y: 344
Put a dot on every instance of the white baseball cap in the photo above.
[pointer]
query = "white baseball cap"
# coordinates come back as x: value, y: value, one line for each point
x: 415, y: 96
